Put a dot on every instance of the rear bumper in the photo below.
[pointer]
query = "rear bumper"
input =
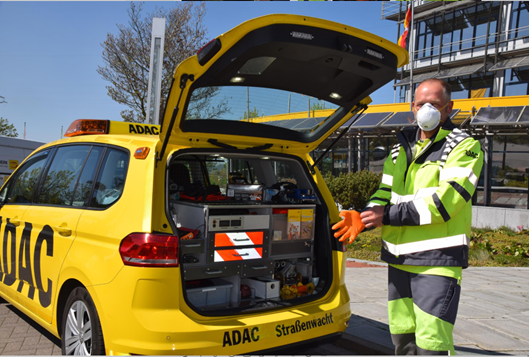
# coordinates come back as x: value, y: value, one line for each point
x: 150, y: 317
x: 293, y: 348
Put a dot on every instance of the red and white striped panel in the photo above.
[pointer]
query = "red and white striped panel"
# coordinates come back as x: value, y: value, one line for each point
x: 238, y: 239
x: 229, y: 255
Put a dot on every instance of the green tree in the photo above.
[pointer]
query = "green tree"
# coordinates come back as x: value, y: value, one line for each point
x: 254, y: 113
x: 7, y: 129
x: 318, y: 106
x: 126, y: 55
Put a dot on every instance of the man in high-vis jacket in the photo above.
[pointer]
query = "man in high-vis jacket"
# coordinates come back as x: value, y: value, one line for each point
x: 424, y: 207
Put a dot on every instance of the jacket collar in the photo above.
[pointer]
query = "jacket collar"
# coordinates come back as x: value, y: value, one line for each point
x: 412, y: 136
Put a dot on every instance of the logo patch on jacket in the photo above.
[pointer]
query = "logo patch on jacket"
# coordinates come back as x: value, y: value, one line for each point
x: 472, y: 154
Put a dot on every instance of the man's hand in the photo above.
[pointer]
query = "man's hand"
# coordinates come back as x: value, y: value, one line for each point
x: 372, y: 217
x: 349, y: 227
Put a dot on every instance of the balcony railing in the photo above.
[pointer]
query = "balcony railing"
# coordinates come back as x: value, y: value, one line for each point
x: 468, y: 48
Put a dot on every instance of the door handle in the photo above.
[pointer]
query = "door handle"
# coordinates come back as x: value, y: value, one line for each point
x: 64, y: 231
x: 15, y: 221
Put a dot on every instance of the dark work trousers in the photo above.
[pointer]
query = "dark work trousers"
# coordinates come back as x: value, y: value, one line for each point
x: 422, y: 311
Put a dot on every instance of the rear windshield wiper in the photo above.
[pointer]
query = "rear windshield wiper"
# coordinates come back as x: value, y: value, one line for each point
x: 228, y: 146
x: 221, y: 145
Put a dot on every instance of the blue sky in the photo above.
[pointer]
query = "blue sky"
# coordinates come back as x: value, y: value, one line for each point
x: 49, y: 53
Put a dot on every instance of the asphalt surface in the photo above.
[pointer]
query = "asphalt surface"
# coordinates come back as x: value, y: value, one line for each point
x: 493, y: 316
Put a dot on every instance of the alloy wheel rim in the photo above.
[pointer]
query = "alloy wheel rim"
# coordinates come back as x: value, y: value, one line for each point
x: 78, y: 330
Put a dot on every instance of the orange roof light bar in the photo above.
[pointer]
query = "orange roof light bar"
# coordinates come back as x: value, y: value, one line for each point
x: 87, y: 126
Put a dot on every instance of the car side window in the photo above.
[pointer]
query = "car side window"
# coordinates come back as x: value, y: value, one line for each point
x: 81, y: 196
x: 62, y: 176
x: 22, y: 186
x: 111, y: 179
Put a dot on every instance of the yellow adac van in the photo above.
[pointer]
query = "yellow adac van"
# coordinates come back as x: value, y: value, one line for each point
x: 211, y: 233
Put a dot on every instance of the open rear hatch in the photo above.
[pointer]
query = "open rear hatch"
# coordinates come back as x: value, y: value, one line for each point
x: 254, y: 228
x: 289, y: 78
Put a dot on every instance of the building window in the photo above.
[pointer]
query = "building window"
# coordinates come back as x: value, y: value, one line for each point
x: 402, y: 93
x: 517, y: 81
x: 519, y: 26
x: 481, y: 85
x: 466, y: 28
x: 459, y: 87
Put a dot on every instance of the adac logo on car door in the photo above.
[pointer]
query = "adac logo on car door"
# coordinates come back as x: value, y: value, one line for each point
x: 32, y: 254
x: 21, y: 268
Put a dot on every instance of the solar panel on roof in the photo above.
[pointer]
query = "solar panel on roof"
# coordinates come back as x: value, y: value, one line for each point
x: 525, y: 117
x: 279, y: 123
x: 347, y: 123
x: 453, y: 113
x: 289, y: 124
x: 307, y: 123
x: 370, y: 120
x: 496, y: 115
x: 400, y: 119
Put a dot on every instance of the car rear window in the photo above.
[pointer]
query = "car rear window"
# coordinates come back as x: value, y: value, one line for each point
x: 268, y: 106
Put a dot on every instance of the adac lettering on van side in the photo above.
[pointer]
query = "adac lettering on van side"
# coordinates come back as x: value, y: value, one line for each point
x: 300, y: 326
x: 236, y: 337
x: 143, y: 129
x: 24, y: 269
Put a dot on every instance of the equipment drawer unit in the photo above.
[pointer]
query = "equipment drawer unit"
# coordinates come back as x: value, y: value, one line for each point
x: 241, y: 239
x: 252, y: 269
x: 238, y: 223
x: 237, y: 246
x: 291, y: 249
x: 212, y: 271
x: 215, y: 294
x: 192, y: 246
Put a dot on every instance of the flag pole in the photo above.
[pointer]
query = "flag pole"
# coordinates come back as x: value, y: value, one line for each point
x: 412, y: 49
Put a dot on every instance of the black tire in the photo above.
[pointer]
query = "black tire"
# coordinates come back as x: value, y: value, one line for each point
x: 80, y: 314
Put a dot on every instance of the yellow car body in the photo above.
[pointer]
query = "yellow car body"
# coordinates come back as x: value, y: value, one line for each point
x: 50, y: 245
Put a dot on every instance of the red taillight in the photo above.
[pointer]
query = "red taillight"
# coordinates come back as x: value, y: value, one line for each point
x: 149, y: 250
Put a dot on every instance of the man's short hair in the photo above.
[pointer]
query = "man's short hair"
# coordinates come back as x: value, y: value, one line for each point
x: 446, y: 87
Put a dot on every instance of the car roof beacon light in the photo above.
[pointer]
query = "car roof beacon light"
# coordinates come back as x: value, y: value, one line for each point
x: 87, y: 126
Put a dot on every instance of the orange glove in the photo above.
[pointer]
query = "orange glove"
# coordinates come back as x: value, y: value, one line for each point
x: 350, y: 226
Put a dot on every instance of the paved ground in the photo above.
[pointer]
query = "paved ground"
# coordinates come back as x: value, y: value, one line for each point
x: 21, y: 336
x: 493, y: 316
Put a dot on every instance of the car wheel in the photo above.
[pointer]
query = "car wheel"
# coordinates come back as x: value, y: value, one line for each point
x: 81, y: 330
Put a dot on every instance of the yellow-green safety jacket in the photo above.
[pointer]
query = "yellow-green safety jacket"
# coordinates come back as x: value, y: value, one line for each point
x: 427, y: 199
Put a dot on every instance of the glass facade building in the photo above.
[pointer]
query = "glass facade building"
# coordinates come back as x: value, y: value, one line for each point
x: 482, y: 49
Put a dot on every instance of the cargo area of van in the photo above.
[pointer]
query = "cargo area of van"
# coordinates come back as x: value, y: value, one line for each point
x: 251, y: 231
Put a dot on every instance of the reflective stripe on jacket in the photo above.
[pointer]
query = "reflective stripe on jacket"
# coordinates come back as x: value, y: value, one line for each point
x: 428, y: 209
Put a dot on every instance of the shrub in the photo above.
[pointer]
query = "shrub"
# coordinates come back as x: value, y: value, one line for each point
x: 353, y: 190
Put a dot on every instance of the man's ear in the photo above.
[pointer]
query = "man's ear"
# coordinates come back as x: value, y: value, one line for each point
x: 449, y: 107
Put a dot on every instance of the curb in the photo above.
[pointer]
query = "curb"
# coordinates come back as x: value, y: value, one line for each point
x: 369, y: 262
x: 362, y: 347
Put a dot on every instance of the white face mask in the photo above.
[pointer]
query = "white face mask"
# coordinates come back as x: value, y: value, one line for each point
x: 428, y: 117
